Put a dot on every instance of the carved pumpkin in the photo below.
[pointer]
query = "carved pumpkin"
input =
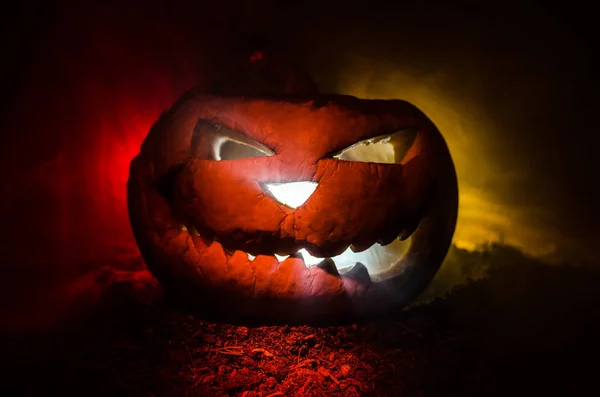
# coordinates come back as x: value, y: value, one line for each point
x: 288, y: 208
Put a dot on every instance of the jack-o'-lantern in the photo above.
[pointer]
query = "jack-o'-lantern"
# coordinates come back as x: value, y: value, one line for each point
x: 292, y: 207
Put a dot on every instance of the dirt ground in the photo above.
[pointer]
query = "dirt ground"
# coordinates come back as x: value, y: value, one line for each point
x: 525, y: 329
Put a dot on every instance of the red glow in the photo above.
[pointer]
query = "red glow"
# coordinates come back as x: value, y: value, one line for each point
x: 97, y: 87
x: 256, y: 56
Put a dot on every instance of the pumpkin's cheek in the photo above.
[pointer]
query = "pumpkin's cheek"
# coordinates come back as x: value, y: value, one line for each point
x: 227, y: 204
x: 215, y: 198
x: 358, y: 205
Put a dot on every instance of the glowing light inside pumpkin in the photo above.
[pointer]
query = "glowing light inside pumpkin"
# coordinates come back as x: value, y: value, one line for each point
x: 369, y: 151
x: 386, y: 149
x: 281, y: 258
x: 376, y: 259
x: 292, y: 194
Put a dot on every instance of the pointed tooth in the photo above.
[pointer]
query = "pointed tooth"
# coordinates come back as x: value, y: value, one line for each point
x: 359, y: 273
x: 182, y: 228
x: 360, y: 247
x: 207, y: 236
x: 207, y: 240
x: 201, y: 241
x: 344, y: 270
x: 335, y: 252
x: 329, y: 266
x: 251, y: 257
x: 408, y: 230
x: 307, y: 258
x: 281, y: 258
x: 387, y: 239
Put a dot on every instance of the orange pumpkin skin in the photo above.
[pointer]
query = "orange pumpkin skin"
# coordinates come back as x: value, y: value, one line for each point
x: 186, y: 207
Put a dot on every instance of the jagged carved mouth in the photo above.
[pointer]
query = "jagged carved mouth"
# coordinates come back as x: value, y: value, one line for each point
x: 376, y: 259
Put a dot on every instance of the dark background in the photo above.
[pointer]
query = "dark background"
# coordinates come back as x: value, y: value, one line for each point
x: 511, y: 85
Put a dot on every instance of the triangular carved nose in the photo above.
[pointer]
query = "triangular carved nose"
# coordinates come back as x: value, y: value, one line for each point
x: 291, y: 194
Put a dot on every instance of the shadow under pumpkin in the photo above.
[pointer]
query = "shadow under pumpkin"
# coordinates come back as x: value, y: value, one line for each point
x: 526, y: 328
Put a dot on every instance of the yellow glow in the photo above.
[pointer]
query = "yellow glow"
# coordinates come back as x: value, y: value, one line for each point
x: 385, y: 149
x: 489, y: 209
x: 292, y: 194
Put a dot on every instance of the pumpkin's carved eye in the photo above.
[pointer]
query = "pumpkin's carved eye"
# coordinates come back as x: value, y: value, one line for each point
x: 233, y: 149
x: 383, y: 149
x: 224, y: 143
